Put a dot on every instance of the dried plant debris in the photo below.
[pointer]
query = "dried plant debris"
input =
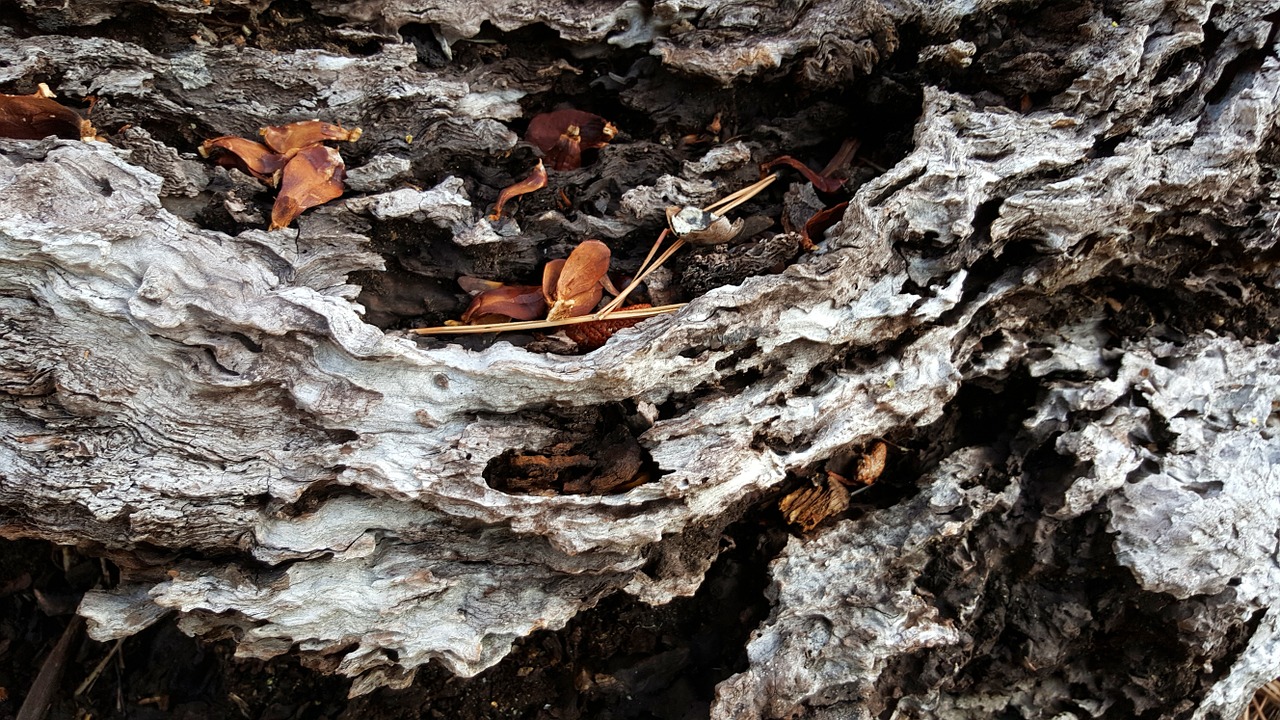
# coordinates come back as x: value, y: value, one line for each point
x: 536, y: 181
x: 293, y: 159
x: 504, y: 303
x: 809, y: 507
x: 598, y: 461
x: 823, y: 184
x: 562, y: 135
x: 593, y: 335
x: 820, y: 223
x: 37, y: 116
x: 700, y: 227
x: 572, y: 287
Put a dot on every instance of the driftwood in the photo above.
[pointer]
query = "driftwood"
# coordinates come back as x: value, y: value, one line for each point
x: 1057, y: 302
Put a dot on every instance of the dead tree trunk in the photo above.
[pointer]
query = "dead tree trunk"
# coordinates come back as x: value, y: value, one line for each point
x: 1052, y: 292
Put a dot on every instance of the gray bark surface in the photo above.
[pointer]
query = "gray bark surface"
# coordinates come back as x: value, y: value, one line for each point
x: 1059, y: 301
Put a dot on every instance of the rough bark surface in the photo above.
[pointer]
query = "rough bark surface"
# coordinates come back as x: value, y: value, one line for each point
x: 1057, y: 301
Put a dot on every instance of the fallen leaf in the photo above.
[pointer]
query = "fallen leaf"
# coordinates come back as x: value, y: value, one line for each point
x: 822, y: 221
x: 252, y: 157
x: 512, y: 302
x: 822, y: 184
x: 313, y: 177
x: 872, y: 463
x: 576, y: 281
x: 37, y: 116
x: 295, y: 136
x: 536, y: 181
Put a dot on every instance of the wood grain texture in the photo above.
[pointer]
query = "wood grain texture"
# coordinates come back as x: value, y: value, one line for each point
x: 212, y: 412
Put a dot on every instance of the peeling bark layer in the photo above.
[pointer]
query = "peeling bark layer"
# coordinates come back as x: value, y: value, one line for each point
x: 1057, y: 301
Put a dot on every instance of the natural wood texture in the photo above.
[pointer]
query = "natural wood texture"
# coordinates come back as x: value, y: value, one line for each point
x: 1059, y: 300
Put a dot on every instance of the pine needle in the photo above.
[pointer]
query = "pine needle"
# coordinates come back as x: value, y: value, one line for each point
x: 543, y: 324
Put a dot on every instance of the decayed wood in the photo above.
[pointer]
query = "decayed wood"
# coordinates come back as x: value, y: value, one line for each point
x: 212, y: 412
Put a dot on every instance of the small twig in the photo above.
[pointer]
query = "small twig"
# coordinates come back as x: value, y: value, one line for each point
x: 40, y: 697
x: 542, y: 324
x: 97, y: 670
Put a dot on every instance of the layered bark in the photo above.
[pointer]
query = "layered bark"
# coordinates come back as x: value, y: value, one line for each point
x: 1057, y: 302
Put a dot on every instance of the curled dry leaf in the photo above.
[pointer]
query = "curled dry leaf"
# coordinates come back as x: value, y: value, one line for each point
x: 307, y: 172
x: 572, y: 286
x: 872, y: 463
x: 506, y: 302
x: 313, y: 177
x: 474, y: 285
x: 822, y: 184
x: 536, y: 181
x: 870, y: 466
x: 564, y: 134
x: 295, y: 136
x: 251, y: 157
x: 699, y: 227
x: 822, y: 221
x: 593, y: 335
x: 37, y: 116
x: 808, y: 507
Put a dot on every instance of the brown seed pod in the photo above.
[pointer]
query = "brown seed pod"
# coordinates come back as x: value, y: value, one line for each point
x: 564, y: 134
x: 252, y: 157
x: 512, y: 302
x: 572, y: 286
x: 313, y: 177
x: 37, y: 116
x: 295, y: 136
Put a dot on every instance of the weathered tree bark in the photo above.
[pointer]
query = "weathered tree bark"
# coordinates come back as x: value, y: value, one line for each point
x: 1057, y: 301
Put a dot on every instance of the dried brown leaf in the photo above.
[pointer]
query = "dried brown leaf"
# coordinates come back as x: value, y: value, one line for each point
x: 872, y: 463
x: 37, y: 116
x: 808, y: 507
x: 313, y: 177
x: 514, y: 302
x: 822, y: 221
x: 475, y: 285
x: 295, y: 136
x: 536, y: 181
x: 252, y: 157
x: 822, y: 184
